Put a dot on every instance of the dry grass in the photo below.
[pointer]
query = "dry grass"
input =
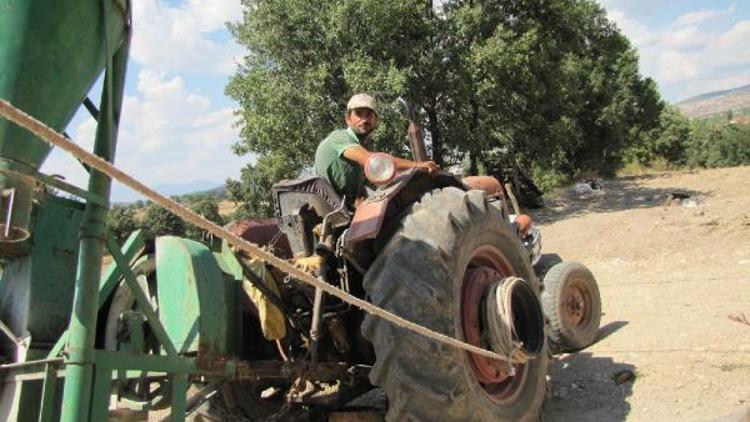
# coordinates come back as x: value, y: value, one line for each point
x: 226, y: 208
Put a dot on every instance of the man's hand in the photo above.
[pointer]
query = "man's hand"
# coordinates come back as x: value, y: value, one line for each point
x: 430, y: 166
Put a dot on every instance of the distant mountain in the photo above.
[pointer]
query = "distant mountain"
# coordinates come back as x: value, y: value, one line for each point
x: 122, y: 194
x: 713, y: 103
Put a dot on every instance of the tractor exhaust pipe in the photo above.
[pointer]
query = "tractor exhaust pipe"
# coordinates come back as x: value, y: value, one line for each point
x: 515, y: 320
x: 416, y: 136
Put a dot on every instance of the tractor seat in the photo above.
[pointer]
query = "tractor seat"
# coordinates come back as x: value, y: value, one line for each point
x: 290, y: 195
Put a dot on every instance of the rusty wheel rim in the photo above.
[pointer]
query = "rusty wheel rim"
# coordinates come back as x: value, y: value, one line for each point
x: 486, y: 266
x: 576, y: 303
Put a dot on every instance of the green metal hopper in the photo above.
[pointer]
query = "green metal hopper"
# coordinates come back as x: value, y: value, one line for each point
x: 51, y: 53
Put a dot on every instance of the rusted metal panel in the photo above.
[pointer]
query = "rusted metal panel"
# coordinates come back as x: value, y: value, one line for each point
x: 367, y: 221
x: 263, y: 232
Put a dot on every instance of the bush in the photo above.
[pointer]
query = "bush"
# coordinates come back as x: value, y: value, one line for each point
x: 121, y: 222
x: 547, y: 180
x: 718, y: 145
x: 209, y: 210
x: 160, y: 221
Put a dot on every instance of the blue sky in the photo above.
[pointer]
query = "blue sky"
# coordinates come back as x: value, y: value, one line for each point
x: 178, y: 126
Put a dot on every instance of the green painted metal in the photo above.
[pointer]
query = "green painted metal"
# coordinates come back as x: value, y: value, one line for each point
x: 51, y: 53
x: 28, y: 394
x: 229, y: 262
x: 49, y: 392
x: 131, y: 250
x: 44, y: 279
x: 140, y: 297
x: 179, y: 391
x: 67, y: 187
x: 197, y: 302
x: 82, y: 331
x: 43, y: 44
x: 102, y: 390
x: 150, y: 363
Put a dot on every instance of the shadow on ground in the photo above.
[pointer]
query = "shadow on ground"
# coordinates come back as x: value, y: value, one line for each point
x: 616, y: 195
x: 609, y: 329
x: 586, y: 388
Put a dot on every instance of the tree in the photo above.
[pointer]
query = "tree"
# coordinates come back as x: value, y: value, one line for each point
x: 209, y: 210
x: 716, y: 143
x: 305, y: 60
x: 159, y: 221
x: 121, y: 222
x: 670, y: 140
x: 552, y: 83
x: 557, y: 85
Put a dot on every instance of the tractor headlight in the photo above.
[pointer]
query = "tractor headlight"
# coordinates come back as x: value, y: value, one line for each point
x: 380, y: 168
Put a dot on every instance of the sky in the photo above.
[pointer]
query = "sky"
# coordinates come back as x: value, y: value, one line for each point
x: 689, y: 47
x: 177, y: 125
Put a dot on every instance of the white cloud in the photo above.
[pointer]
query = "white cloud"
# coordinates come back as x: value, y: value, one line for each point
x: 700, y: 16
x: 176, y: 127
x: 733, y: 46
x: 168, y: 134
x: 686, y: 37
x: 639, y: 34
x: 695, y: 53
x: 179, y: 38
x: 674, y: 66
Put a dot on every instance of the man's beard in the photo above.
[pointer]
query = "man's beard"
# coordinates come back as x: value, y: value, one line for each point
x: 363, y: 134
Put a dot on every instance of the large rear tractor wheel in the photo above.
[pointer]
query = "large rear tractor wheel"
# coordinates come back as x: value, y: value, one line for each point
x: 573, y: 306
x: 446, y: 268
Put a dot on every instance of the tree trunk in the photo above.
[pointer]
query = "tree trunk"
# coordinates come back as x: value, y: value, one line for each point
x: 437, y: 142
x: 473, y: 143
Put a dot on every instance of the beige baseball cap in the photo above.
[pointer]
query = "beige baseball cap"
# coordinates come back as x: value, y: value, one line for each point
x: 362, y: 101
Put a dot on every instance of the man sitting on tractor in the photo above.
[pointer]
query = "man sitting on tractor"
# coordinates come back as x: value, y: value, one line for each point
x: 341, y: 156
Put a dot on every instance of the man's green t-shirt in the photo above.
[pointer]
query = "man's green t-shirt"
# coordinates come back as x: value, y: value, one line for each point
x: 346, y: 176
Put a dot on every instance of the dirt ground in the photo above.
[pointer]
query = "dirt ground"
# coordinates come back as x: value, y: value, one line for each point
x: 674, y: 279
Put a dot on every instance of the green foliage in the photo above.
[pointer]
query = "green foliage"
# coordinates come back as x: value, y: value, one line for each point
x: 718, y: 145
x: 252, y: 192
x: 158, y: 221
x: 215, y: 195
x: 668, y: 141
x: 559, y: 85
x: 209, y: 210
x: 121, y: 222
x: 547, y: 180
x: 553, y: 83
x: 678, y: 142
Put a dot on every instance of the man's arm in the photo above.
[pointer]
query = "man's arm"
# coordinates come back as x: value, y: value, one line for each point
x: 359, y: 155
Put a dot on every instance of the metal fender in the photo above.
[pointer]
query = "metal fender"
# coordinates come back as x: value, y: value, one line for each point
x: 197, y: 301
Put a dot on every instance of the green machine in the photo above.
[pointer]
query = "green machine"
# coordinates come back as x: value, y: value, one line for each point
x: 62, y: 351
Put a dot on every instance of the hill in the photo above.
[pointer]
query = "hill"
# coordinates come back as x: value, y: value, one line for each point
x: 713, y: 103
x: 122, y: 194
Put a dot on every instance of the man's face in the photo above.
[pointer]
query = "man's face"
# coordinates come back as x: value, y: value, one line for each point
x: 362, y: 121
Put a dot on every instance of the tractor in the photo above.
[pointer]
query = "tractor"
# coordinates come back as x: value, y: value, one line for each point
x: 207, y: 332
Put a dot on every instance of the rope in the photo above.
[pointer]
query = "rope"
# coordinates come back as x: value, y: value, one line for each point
x: 502, y: 328
x: 47, y: 134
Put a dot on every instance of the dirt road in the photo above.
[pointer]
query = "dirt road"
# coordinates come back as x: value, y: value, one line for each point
x: 672, y: 276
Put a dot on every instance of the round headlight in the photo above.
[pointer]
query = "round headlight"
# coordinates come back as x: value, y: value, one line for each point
x: 380, y: 168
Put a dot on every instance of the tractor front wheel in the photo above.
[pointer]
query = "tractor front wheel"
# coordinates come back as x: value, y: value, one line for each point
x: 573, y: 306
